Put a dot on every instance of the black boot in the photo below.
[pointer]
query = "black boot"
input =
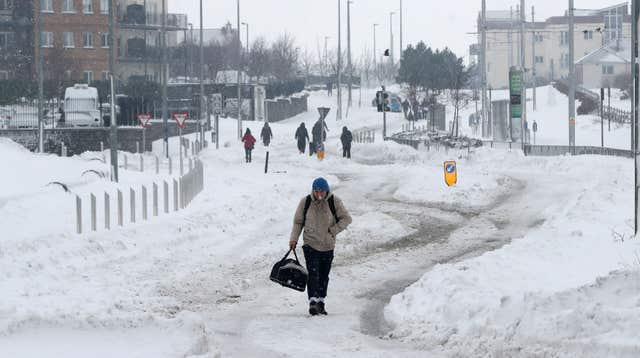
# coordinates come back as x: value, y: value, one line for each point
x: 313, y: 308
x: 320, y: 308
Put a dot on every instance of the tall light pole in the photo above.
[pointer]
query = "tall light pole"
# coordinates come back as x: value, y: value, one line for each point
x: 400, y: 29
x: 163, y: 76
x: 375, y: 52
x: 635, y: 6
x: 572, y: 82
x: 40, y: 82
x: 523, y: 68
x: 534, y: 83
x: 239, y: 73
x: 391, y: 36
x: 325, y: 64
x: 339, y: 110
x: 202, y: 94
x: 247, y: 27
x: 349, y: 2
x: 113, y: 126
x: 483, y: 64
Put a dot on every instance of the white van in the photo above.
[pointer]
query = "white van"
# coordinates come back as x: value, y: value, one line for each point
x: 81, y: 106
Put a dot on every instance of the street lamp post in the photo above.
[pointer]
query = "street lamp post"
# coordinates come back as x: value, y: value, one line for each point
x: 375, y: 52
x: 339, y: 110
x: 325, y: 64
x: 349, y: 2
x: 201, y: 77
x: 247, y: 27
x: 391, y: 36
x: 239, y: 73
x: 400, y: 29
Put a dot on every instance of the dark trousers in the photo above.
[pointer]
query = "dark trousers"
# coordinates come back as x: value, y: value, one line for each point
x: 301, y: 146
x: 346, y: 150
x: 318, y: 266
x: 247, y: 154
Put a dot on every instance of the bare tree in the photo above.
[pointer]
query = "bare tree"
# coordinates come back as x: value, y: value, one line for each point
x: 307, y: 63
x: 259, y: 58
x: 284, y: 58
x: 365, y: 63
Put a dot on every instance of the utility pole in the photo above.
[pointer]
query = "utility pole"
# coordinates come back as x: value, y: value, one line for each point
x: 247, y: 27
x: 40, y: 81
x: 202, y: 94
x: 239, y: 73
x: 401, y: 49
x: 326, y: 65
x: 113, y: 126
x: 634, y: 60
x: 572, y: 82
x: 523, y: 65
x: 533, y: 55
x: 510, y: 36
x: 163, y: 78
x: 391, y: 37
x: 375, y: 52
x: 483, y: 64
x: 339, y: 110
x: 349, y: 2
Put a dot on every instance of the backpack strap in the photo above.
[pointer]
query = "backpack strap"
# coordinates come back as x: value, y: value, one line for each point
x: 307, y: 203
x: 332, y: 207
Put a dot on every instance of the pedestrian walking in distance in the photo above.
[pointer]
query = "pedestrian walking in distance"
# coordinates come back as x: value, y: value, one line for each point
x: 266, y: 134
x: 318, y: 135
x: 346, y: 138
x: 249, y: 142
x: 322, y: 216
x: 302, y: 136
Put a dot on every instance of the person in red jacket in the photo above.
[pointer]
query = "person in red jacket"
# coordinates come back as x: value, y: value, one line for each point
x: 249, y: 141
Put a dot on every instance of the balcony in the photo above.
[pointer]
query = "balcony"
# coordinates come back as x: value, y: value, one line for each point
x: 134, y: 17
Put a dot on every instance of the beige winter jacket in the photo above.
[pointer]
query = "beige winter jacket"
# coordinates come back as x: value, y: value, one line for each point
x: 320, y: 228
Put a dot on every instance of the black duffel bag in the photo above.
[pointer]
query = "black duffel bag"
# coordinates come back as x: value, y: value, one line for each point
x: 289, y: 273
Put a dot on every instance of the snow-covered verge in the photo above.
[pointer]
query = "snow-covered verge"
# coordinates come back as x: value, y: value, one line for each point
x: 568, y: 288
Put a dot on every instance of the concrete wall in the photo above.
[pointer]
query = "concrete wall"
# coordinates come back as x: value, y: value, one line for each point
x: 281, y: 109
x: 79, y: 140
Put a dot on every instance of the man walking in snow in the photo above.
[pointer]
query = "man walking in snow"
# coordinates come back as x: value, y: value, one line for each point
x: 266, y: 134
x: 346, y: 138
x: 302, y: 136
x: 323, y: 216
x: 318, y: 135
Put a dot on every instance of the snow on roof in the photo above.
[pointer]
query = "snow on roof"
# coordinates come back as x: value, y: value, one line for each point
x: 81, y: 91
x: 606, y: 55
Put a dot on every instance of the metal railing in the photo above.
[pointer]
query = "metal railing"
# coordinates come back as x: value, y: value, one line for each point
x: 364, y: 136
x: 557, y: 150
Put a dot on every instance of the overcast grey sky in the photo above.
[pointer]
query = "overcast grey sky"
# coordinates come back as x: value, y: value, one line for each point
x: 438, y: 23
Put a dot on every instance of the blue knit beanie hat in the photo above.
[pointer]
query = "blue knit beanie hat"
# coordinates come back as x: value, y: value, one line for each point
x: 320, y: 184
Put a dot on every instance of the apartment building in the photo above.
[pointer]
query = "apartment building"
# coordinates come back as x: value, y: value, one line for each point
x: 16, y: 40
x: 594, y: 29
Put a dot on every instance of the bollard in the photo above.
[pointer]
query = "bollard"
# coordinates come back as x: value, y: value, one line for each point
x: 157, y: 165
x: 155, y: 199
x: 107, y: 211
x: 104, y: 158
x: 94, y: 226
x: 120, y: 211
x: 141, y: 163
x: 144, y: 203
x: 126, y: 162
x: 170, y: 166
x: 181, y: 164
x: 132, y: 202
x: 181, y: 184
x: 190, y: 164
x: 78, y: 215
x: 137, y: 147
x: 175, y: 195
x: 166, y: 197
x: 266, y: 163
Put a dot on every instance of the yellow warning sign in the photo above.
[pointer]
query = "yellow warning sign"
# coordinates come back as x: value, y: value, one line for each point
x: 450, y: 173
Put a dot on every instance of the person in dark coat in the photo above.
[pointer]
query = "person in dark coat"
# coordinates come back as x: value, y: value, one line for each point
x: 266, y: 134
x: 302, y: 136
x: 249, y: 141
x: 346, y: 138
x: 405, y: 108
x: 318, y: 135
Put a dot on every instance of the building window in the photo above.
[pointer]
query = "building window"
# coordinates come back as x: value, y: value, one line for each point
x: 46, y: 5
x: 67, y: 40
x: 105, y: 75
x: 87, y: 6
x: 87, y: 40
x: 607, y: 69
x: 564, y: 60
x: 67, y: 6
x: 4, y: 75
x: 564, y: 38
x: 88, y: 77
x: 539, y: 59
x: 588, y: 35
x: 538, y: 37
x: 4, y: 5
x: 104, y: 40
x: 104, y: 7
x: 47, y: 39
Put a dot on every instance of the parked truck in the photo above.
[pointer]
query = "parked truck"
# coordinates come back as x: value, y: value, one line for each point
x: 81, y: 106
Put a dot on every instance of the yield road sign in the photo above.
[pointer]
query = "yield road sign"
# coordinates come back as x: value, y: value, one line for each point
x: 144, y: 119
x: 180, y: 118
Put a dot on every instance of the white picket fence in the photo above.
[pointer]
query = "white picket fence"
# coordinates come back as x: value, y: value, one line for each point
x: 364, y: 136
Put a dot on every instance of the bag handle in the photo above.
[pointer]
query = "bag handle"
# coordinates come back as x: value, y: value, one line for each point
x: 294, y: 254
